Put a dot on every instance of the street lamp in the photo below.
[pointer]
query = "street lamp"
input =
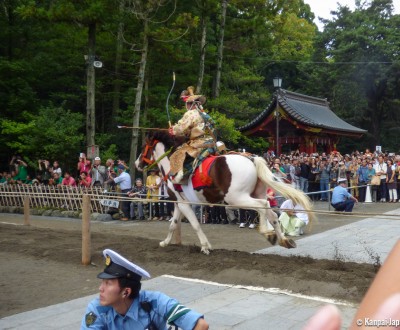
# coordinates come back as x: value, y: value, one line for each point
x: 277, y: 85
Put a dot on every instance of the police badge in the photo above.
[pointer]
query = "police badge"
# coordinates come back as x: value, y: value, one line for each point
x: 90, y: 318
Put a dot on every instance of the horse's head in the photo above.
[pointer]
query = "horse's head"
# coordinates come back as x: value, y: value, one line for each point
x: 155, y: 145
x: 146, y: 156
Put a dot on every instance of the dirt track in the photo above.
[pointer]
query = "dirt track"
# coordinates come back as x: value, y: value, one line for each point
x: 41, y: 263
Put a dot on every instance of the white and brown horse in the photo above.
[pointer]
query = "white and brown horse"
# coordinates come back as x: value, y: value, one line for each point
x: 236, y: 180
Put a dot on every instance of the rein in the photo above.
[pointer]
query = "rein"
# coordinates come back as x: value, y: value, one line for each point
x: 153, y: 163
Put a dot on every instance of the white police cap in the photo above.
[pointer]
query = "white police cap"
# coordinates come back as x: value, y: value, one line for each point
x: 119, y: 267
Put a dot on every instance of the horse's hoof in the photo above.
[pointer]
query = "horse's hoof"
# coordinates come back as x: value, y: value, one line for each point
x: 288, y: 243
x: 162, y: 244
x: 205, y: 250
x: 271, y: 237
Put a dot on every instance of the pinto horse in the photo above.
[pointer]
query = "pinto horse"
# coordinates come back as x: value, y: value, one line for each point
x: 235, y: 180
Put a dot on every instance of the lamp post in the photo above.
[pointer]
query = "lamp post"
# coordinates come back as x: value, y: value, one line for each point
x: 277, y: 85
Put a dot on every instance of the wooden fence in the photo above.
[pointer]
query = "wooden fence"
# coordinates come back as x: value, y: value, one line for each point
x: 63, y: 197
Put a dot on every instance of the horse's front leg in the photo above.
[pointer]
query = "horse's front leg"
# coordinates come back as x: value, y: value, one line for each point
x: 191, y: 216
x: 276, y: 234
x: 176, y: 218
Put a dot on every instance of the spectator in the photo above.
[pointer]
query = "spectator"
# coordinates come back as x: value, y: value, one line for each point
x: 218, y: 215
x: 138, y: 191
x: 371, y: 173
x: 55, y: 180
x: 3, y: 178
x: 324, y: 177
x: 111, y: 173
x: 124, y: 180
x: 84, y: 164
x: 391, y: 181
x: 122, y: 305
x: 153, y: 182
x: 68, y: 180
x: 286, y: 168
x: 352, y: 177
x: 362, y: 179
x: 304, y: 174
x: 342, y: 200
x: 28, y: 180
x: 37, y: 181
x: 98, y: 173
x: 273, y: 202
x: 85, y: 180
x: 381, y: 170
x: 313, y: 179
x: 247, y: 216
x: 44, y: 170
x: 56, y: 168
x: 292, y: 219
x: 295, y: 171
x: 334, y: 172
x: 166, y: 209
x: 20, y: 168
x: 278, y: 170
x: 342, y: 171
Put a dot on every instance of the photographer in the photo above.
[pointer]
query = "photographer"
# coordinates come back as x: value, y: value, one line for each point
x: 84, y: 164
x: 98, y: 173
x: 44, y: 171
x: 20, y: 168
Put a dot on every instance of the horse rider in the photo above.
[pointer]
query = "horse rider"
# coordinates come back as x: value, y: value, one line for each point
x: 197, y: 127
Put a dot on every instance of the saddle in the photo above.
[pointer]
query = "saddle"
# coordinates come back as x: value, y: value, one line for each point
x: 200, y: 178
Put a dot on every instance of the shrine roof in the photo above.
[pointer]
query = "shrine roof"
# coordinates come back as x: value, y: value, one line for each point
x: 308, y: 110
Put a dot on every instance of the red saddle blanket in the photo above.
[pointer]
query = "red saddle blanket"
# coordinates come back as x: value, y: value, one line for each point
x: 200, y: 177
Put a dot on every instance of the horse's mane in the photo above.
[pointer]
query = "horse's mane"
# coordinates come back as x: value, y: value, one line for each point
x: 164, y: 137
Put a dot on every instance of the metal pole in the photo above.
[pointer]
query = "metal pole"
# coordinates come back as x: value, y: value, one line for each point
x: 277, y: 125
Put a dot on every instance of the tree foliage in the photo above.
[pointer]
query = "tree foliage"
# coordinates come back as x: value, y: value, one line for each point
x: 353, y: 63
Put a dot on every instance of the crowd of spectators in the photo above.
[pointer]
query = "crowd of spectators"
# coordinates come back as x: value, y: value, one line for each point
x: 314, y: 174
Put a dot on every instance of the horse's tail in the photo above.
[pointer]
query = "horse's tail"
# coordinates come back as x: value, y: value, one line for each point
x: 266, y: 176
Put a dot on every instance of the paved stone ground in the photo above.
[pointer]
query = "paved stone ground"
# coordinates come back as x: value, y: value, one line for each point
x: 366, y: 241
x: 224, y: 307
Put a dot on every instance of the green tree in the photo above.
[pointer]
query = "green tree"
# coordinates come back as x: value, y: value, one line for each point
x: 362, y: 47
x: 52, y: 134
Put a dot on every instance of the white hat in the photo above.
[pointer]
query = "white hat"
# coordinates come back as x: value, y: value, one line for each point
x: 119, y: 267
x: 342, y: 180
x: 97, y: 158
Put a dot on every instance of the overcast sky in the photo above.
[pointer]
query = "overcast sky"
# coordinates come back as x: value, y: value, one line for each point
x: 322, y: 8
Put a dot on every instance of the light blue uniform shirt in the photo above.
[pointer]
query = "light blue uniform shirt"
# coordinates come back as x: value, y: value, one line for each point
x: 163, y: 309
x: 339, y: 194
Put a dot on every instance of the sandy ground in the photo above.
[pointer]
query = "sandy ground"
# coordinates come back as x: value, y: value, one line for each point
x: 41, y: 263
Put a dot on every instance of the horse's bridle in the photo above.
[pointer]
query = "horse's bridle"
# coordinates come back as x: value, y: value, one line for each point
x: 146, y: 155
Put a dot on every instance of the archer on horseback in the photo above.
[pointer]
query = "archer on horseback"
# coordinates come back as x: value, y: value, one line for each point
x: 198, y: 129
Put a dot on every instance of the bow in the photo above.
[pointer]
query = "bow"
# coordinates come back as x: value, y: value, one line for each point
x: 169, y: 94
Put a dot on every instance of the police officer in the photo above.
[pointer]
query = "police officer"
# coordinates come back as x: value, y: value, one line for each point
x: 342, y: 200
x: 122, y: 305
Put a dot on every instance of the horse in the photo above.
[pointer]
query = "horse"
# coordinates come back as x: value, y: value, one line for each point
x: 236, y: 180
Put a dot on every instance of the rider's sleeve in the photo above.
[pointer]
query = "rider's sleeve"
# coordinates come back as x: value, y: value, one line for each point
x: 189, y: 120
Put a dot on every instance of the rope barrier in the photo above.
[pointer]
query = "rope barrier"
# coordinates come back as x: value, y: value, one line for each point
x: 99, y: 194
